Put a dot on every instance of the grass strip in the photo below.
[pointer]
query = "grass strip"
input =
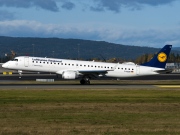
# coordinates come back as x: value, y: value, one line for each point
x: 79, y: 112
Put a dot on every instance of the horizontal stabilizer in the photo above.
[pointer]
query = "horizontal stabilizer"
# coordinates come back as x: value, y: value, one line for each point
x: 164, y: 71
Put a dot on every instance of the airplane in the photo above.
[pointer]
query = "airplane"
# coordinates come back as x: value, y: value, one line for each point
x: 86, y: 70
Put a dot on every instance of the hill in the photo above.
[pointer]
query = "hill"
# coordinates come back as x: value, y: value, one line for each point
x: 70, y: 48
x: 176, y: 48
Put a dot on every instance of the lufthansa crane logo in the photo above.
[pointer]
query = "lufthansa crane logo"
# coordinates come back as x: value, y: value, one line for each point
x: 162, y: 57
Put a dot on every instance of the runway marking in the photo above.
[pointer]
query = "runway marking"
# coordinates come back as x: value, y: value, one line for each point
x: 168, y: 86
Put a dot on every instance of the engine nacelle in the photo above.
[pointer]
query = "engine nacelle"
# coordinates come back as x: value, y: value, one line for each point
x: 69, y: 75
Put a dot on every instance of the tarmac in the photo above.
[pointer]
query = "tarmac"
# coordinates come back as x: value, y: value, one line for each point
x: 71, y: 86
x: 85, y: 87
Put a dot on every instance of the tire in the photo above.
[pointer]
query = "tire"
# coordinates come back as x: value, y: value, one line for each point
x: 82, y: 81
x: 85, y: 81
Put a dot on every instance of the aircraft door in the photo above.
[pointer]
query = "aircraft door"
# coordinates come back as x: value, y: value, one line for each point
x: 16, y: 62
x: 137, y: 70
x: 26, y: 61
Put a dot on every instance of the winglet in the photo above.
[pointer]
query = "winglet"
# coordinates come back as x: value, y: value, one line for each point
x: 160, y: 59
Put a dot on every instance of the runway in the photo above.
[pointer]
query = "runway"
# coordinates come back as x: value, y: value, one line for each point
x: 14, y: 82
x: 84, y: 87
x: 72, y: 87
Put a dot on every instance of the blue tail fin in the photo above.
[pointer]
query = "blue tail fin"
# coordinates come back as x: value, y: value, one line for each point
x: 160, y: 59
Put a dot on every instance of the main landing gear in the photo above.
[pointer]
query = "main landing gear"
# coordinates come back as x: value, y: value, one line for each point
x: 85, y: 81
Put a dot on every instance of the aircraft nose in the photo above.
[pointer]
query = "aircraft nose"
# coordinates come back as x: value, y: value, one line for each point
x: 5, y: 65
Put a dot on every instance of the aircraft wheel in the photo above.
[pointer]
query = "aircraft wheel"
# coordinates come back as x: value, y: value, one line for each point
x: 85, y: 81
x: 82, y: 81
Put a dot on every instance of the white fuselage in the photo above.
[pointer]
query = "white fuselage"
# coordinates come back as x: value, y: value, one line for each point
x: 58, y: 66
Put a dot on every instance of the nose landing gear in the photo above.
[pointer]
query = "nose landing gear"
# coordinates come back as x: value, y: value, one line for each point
x: 20, y: 73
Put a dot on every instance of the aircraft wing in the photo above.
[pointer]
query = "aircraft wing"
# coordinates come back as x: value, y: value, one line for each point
x: 93, y: 73
x: 85, y: 71
x: 96, y: 72
x: 89, y: 72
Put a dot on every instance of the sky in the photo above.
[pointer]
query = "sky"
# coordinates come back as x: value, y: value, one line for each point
x: 151, y: 23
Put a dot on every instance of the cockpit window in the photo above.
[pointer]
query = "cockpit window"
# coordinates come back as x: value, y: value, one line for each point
x: 15, y: 59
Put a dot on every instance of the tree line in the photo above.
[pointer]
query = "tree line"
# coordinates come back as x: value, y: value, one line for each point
x: 173, y: 58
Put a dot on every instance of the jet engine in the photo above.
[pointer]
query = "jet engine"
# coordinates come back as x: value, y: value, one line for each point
x: 69, y: 75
